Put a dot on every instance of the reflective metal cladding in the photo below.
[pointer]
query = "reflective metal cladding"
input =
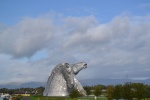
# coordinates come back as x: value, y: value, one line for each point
x: 62, y: 80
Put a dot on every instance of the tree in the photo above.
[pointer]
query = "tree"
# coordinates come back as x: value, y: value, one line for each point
x: 127, y: 91
x: 117, y: 93
x: 75, y: 93
x: 139, y: 90
x: 110, y: 91
x: 88, y: 90
x: 39, y: 90
x: 147, y: 92
x: 97, y: 91
x: 4, y: 90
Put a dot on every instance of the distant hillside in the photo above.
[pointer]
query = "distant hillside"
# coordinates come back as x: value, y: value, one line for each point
x: 14, y: 85
x: 87, y: 82
x: 90, y: 82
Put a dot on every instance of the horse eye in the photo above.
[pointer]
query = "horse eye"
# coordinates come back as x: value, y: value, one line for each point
x: 67, y: 66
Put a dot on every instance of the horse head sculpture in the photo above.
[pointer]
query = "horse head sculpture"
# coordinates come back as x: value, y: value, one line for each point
x: 62, y: 80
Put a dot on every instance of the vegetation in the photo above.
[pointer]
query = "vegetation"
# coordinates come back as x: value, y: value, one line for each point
x: 128, y: 91
x: 63, y: 98
x: 38, y: 90
x: 19, y: 97
x: 88, y: 90
x: 97, y: 91
x: 75, y: 93
x: 117, y: 92
x: 46, y: 98
x: 110, y: 91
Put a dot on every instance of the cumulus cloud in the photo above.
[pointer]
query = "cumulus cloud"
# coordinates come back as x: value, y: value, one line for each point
x: 120, y: 45
x: 27, y: 37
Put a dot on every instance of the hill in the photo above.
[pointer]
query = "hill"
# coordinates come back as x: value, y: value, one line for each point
x: 13, y: 85
x: 89, y: 82
x: 86, y: 82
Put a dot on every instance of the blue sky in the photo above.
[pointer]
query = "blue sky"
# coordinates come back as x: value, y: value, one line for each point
x: 14, y: 11
x: 112, y: 36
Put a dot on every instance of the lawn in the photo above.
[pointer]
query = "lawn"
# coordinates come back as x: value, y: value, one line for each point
x: 63, y: 98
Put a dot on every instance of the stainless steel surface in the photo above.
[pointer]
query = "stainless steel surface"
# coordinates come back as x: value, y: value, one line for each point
x: 62, y: 80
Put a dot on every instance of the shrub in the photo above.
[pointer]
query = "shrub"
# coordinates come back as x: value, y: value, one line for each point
x: 75, y: 93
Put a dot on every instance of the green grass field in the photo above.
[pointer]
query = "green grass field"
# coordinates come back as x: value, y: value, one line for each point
x: 63, y: 98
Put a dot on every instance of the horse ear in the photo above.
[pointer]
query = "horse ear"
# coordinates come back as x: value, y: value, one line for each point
x: 65, y: 64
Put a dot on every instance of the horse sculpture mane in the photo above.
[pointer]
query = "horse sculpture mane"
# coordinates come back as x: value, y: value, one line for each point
x: 62, y: 80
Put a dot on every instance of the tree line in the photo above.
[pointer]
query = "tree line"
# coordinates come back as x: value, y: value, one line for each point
x: 38, y: 90
x: 127, y: 91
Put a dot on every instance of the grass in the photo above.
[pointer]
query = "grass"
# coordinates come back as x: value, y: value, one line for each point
x: 63, y: 98
x: 38, y: 97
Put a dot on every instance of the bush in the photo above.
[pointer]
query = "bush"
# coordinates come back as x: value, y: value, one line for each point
x: 75, y: 93
x: 97, y: 91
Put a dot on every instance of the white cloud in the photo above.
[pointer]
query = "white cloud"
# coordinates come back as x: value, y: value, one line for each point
x: 27, y: 37
x: 117, y: 46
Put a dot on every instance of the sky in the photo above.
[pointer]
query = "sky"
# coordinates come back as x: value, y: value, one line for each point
x: 111, y: 36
